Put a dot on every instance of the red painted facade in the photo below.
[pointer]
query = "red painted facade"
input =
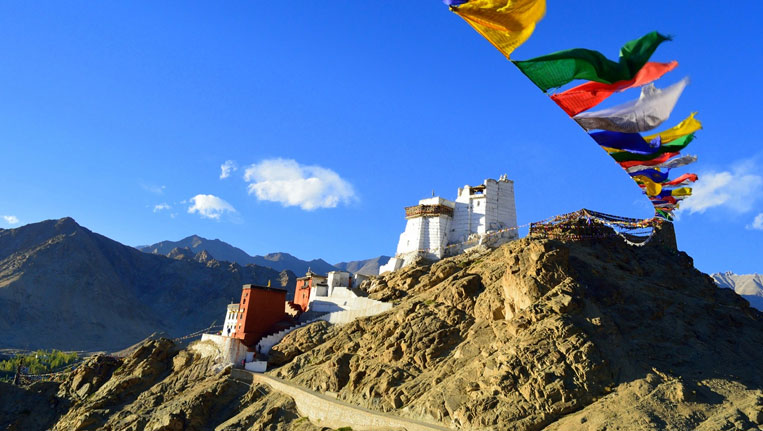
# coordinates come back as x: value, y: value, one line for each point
x: 304, y: 285
x: 260, y: 308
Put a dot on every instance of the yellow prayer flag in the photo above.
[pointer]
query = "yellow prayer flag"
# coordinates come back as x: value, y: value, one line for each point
x: 689, y: 125
x: 681, y: 191
x: 504, y: 23
x: 652, y: 188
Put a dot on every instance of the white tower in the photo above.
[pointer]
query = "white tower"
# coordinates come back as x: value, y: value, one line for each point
x: 437, y: 227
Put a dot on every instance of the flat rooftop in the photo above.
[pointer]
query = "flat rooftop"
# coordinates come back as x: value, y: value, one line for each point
x: 254, y: 286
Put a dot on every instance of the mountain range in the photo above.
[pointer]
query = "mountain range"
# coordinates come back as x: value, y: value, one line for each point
x: 280, y: 261
x: 365, y: 267
x: 749, y: 286
x: 63, y: 286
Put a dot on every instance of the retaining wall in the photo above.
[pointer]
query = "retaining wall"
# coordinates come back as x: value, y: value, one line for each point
x: 329, y: 412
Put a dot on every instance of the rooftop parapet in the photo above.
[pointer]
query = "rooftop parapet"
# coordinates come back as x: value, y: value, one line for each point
x: 428, y: 211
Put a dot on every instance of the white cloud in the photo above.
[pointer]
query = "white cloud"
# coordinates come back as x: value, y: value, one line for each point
x: 736, y: 189
x: 227, y: 168
x: 11, y: 219
x: 757, y: 222
x: 161, y: 206
x: 292, y: 184
x: 209, y: 206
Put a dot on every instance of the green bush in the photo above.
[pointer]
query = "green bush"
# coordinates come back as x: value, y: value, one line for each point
x: 40, y: 361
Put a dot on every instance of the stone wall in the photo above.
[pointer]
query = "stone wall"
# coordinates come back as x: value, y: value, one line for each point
x: 425, y: 233
x: 330, y: 412
x: 365, y: 308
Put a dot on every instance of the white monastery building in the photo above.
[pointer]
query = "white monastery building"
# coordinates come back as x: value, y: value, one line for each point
x: 231, y: 317
x: 437, y: 227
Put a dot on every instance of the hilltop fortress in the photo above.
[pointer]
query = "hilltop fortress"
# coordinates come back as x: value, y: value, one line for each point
x: 437, y: 227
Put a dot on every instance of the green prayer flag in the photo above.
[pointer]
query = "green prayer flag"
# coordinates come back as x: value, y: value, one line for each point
x: 671, y: 147
x: 559, y: 68
x: 677, y: 144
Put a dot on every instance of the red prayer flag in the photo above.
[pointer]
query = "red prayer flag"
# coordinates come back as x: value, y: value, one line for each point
x: 586, y: 96
x: 668, y: 199
x: 662, y: 158
x: 689, y: 178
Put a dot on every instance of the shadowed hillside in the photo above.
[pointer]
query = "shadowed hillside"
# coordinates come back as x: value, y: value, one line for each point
x: 63, y: 286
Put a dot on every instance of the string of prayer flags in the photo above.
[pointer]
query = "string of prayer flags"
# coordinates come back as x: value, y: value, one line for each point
x: 647, y: 159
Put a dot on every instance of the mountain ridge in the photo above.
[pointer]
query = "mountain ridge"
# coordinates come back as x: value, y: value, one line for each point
x: 749, y: 286
x: 365, y: 267
x: 223, y: 251
x: 64, y: 286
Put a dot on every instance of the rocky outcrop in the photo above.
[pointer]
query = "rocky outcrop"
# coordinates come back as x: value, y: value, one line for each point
x: 538, y: 331
x: 297, y: 342
x: 158, y: 387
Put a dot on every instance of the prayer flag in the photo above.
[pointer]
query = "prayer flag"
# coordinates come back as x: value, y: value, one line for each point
x: 678, y: 193
x: 662, y: 158
x: 504, y: 23
x: 683, y: 180
x: 664, y: 199
x: 622, y: 155
x: 614, y: 142
x: 650, y: 110
x: 653, y: 174
x: 559, y: 68
x: 670, y: 164
x: 689, y: 125
x: 586, y: 96
x: 679, y: 161
x: 652, y: 188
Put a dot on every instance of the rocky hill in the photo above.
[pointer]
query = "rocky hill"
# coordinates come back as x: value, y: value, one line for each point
x: 223, y: 251
x: 536, y: 335
x: 63, y: 286
x: 749, y: 286
x: 365, y: 267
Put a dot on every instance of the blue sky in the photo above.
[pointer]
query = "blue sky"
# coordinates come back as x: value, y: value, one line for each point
x: 121, y: 115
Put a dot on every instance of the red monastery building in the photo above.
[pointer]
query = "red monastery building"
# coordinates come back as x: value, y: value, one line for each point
x: 259, y: 310
x: 304, y: 285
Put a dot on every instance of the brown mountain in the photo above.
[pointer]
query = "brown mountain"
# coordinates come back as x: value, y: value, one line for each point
x: 63, y: 286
